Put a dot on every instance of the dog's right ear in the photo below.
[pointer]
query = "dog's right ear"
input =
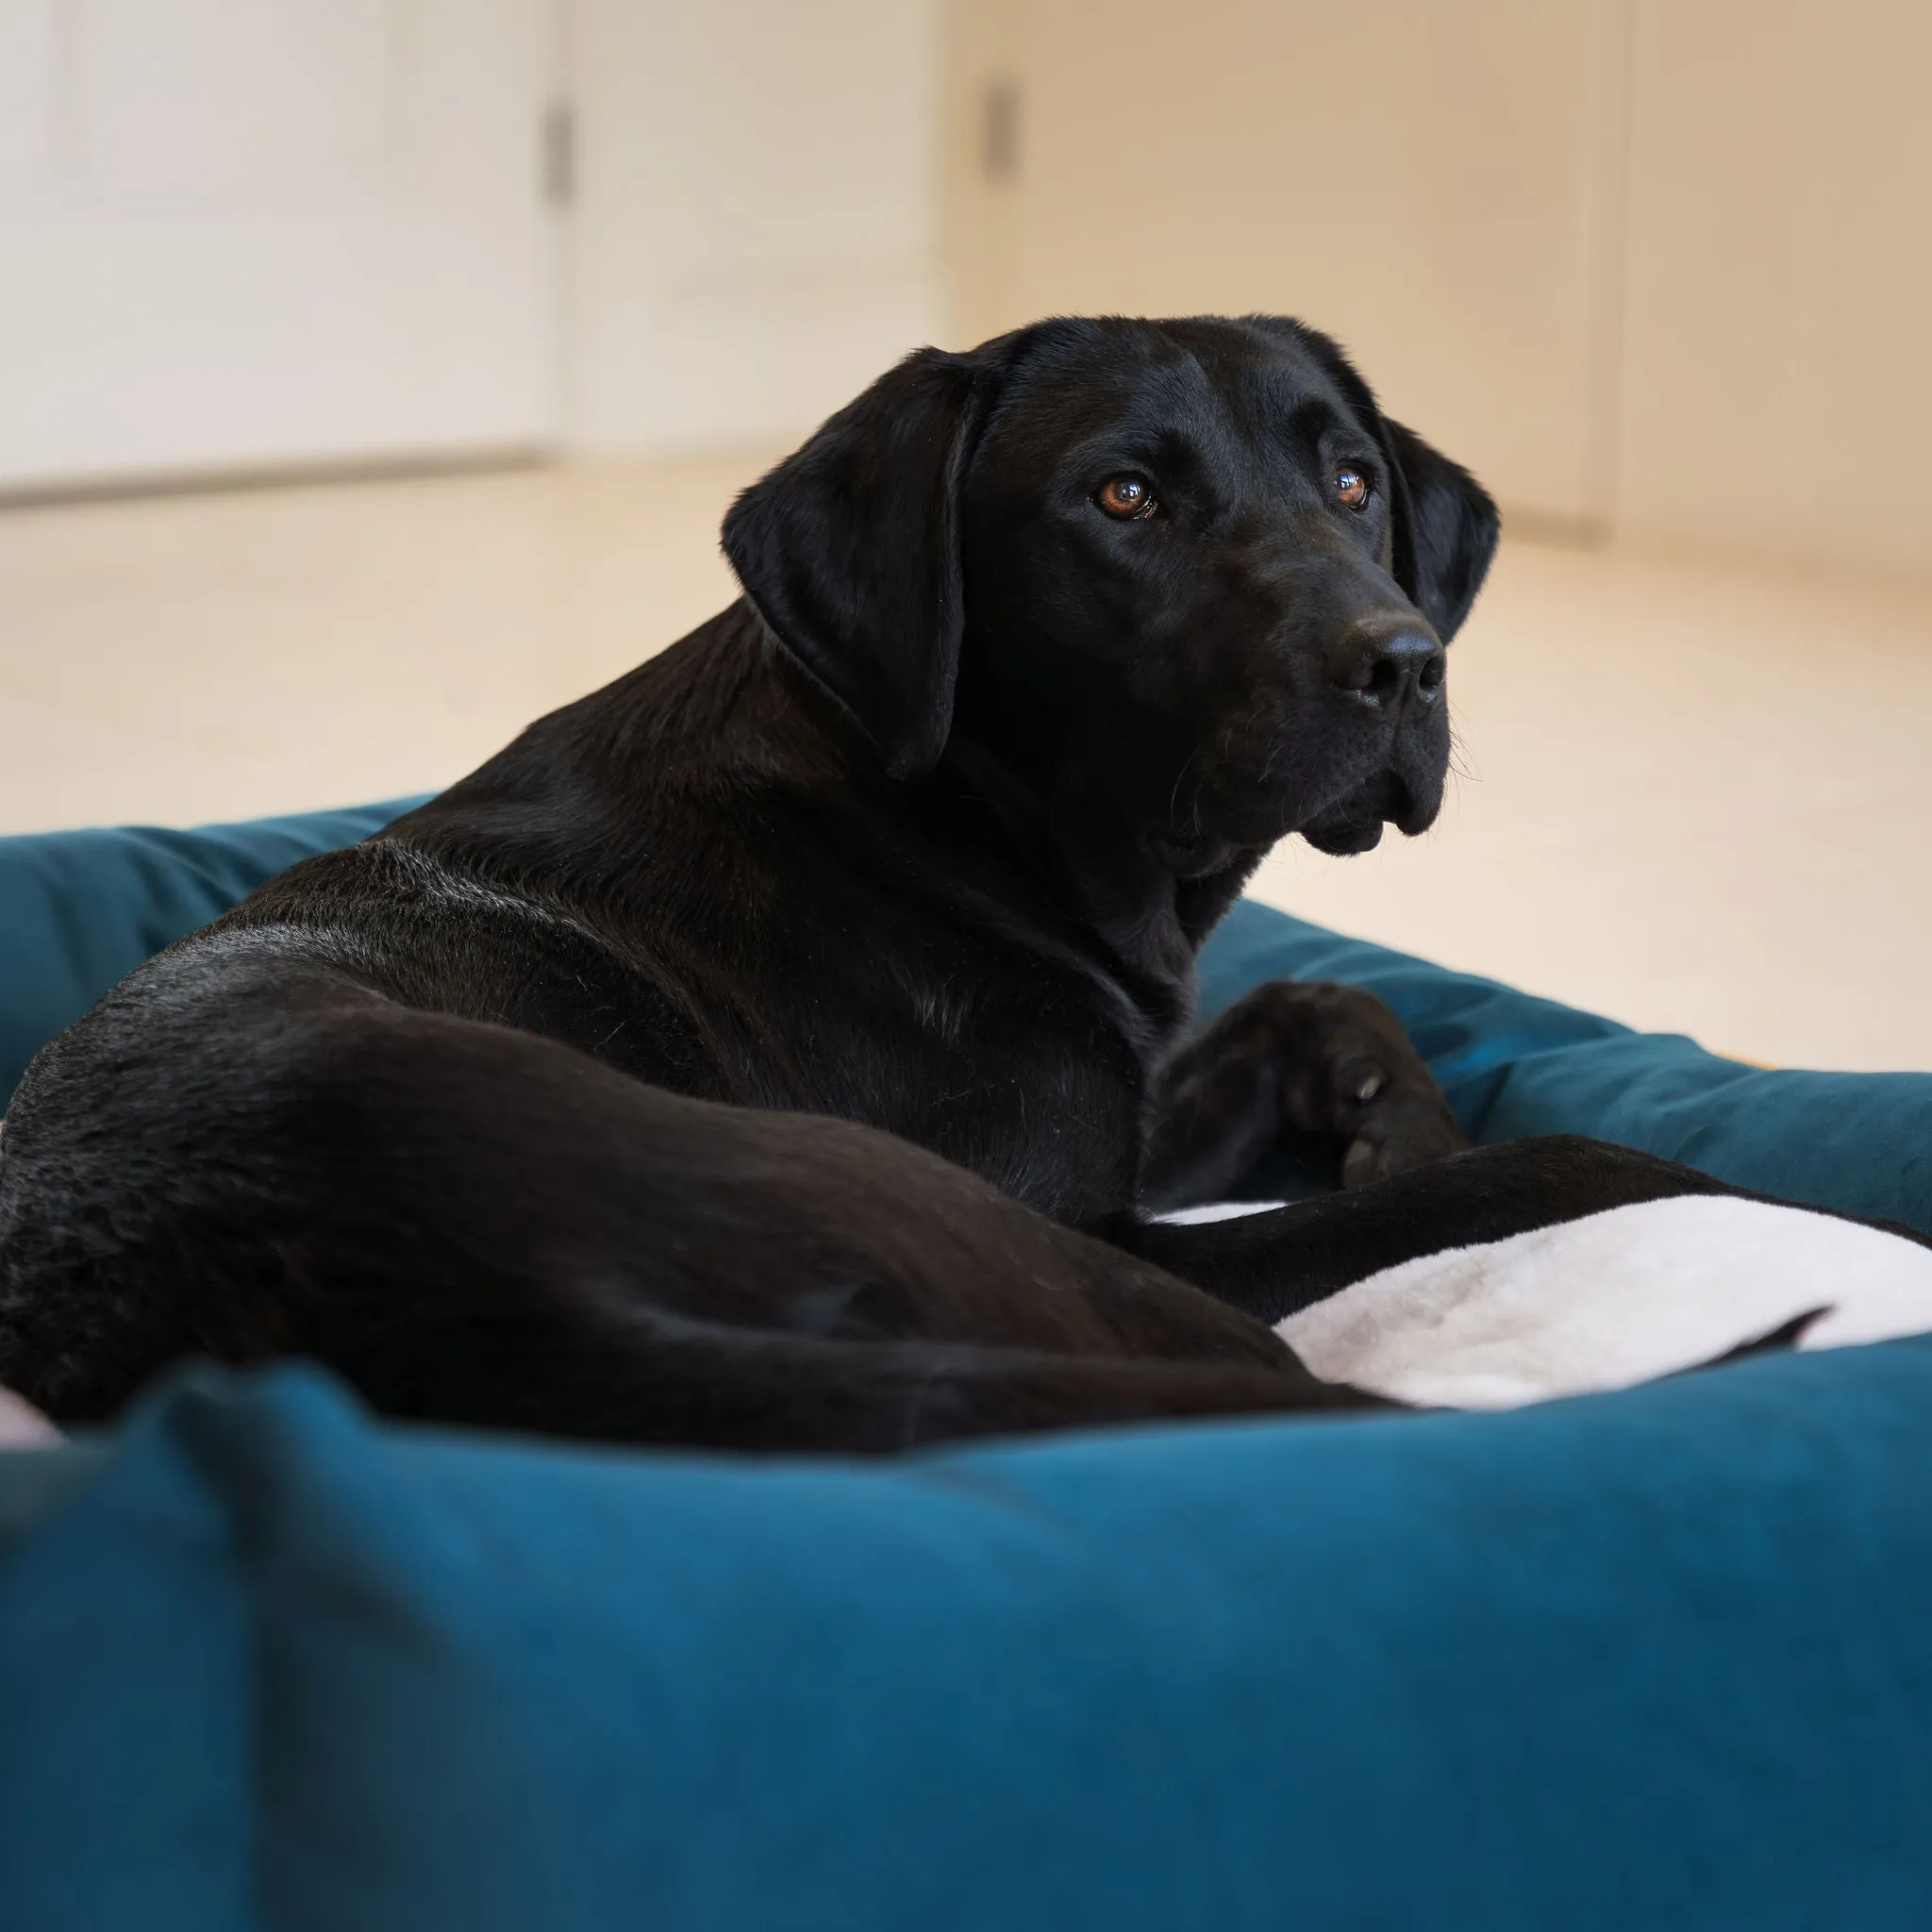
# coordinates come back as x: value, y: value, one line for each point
x: 1446, y: 529
x: 850, y: 552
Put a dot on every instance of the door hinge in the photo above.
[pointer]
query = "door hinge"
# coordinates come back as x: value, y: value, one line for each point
x: 557, y: 153
x: 999, y: 150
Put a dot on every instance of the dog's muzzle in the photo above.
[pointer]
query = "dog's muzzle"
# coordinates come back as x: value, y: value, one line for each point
x: 1406, y: 794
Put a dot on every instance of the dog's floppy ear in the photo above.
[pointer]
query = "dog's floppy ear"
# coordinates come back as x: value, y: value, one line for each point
x: 1446, y: 529
x: 850, y: 552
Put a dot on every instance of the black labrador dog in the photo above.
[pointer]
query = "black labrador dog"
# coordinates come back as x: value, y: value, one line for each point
x: 784, y: 1046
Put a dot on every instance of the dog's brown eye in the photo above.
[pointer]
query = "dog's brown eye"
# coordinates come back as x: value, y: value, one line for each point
x: 1125, y: 497
x: 1351, y: 487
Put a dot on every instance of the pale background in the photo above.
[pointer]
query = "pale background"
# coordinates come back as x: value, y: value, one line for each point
x: 1658, y: 270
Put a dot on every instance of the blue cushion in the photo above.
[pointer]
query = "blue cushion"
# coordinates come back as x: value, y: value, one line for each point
x: 1513, y: 1064
x: 1654, y: 1659
x: 1651, y: 1659
x: 81, y: 908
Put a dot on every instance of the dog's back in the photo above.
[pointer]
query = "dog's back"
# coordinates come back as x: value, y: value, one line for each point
x: 370, y: 1085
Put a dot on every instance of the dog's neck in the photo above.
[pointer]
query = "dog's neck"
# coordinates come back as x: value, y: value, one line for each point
x: 1019, y: 812
x: 1150, y: 907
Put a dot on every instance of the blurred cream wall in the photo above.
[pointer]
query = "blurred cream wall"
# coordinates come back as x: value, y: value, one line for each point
x: 1778, y: 391
x: 1433, y: 184
x: 1656, y: 267
x: 754, y: 235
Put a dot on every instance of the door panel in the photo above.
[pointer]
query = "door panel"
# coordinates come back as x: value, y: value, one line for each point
x: 1780, y: 280
x: 248, y: 232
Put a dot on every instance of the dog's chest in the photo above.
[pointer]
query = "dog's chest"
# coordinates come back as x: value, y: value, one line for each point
x: 1046, y: 1108
x: 1029, y: 1070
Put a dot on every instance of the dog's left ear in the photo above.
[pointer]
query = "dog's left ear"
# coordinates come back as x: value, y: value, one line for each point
x: 849, y: 550
x: 1446, y: 529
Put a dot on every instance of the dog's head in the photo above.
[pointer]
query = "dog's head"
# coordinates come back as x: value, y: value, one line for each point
x: 1190, y: 558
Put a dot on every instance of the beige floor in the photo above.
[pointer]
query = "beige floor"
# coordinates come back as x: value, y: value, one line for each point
x: 1693, y: 796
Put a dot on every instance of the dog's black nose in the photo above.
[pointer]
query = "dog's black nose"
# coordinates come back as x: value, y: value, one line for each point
x: 1381, y: 663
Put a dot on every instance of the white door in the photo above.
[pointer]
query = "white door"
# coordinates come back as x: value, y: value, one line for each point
x: 239, y: 234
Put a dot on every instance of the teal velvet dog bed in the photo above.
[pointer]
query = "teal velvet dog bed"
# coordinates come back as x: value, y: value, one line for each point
x: 1654, y: 1659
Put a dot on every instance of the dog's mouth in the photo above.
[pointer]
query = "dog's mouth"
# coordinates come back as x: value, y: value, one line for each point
x: 1351, y: 824
x: 1355, y: 823
x: 1340, y: 834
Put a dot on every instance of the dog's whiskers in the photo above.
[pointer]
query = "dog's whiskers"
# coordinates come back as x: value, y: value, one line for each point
x: 1173, y: 796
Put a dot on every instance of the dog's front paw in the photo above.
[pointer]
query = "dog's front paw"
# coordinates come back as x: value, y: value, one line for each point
x: 1348, y: 1070
x: 1295, y: 1056
x: 1400, y: 1124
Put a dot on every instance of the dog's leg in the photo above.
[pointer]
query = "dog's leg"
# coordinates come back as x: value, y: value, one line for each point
x: 1272, y: 1264
x: 652, y: 1378
x: 478, y: 1225
x: 1314, y: 1058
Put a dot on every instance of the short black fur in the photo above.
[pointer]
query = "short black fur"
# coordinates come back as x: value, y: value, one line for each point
x: 778, y: 1048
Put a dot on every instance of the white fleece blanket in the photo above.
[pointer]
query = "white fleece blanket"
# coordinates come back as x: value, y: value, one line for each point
x: 21, y: 1426
x: 1606, y: 1301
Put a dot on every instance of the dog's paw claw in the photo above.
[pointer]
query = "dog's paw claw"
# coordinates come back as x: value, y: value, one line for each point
x: 1402, y: 1137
